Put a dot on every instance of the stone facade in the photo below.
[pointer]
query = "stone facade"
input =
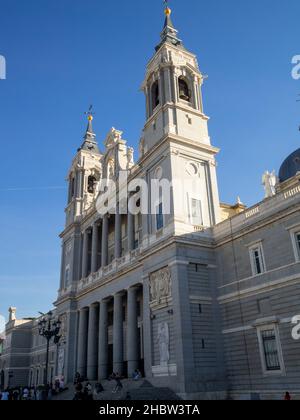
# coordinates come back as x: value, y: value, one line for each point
x: 200, y: 299
x: 23, y: 358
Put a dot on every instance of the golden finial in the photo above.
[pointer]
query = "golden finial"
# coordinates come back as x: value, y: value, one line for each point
x: 168, y: 11
x: 90, y: 118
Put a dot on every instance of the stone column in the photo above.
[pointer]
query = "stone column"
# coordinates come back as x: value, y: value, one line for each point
x: 92, y: 347
x: 103, y: 341
x: 85, y: 256
x: 82, y: 341
x: 167, y: 84
x: 174, y: 82
x: 79, y: 183
x: 132, y: 331
x: 196, y: 94
x: 147, y: 102
x: 118, y: 233
x: 147, y: 328
x: 130, y: 231
x: 95, y: 244
x: 118, y: 333
x: 105, y: 241
x: 161, y: 88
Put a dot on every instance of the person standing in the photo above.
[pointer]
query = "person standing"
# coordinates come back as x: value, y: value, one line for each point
x: 287, y: 396
x: 5, y: 395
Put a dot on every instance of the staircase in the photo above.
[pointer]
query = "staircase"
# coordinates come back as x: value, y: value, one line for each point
x: 140, y: 390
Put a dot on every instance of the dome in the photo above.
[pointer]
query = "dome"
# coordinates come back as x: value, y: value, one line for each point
x: 290, y: 166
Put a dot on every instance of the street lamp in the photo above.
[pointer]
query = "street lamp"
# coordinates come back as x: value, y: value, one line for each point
x: 49, y: 327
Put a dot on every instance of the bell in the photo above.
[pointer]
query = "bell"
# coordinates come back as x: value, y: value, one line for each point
x: 184, y: 91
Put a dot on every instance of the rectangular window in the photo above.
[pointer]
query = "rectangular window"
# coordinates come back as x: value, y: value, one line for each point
x: 270, y: 349
x: 295, y: 236
x: 196, y: 212
x: 257, y: 260
x: 159, y: 217
x: 298, y: 242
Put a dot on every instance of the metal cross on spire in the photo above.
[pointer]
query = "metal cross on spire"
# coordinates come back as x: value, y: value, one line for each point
x: 166, y: 4
x: 90, y: 113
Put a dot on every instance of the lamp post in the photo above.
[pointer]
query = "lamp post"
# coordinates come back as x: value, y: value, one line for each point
x: 49, y: 327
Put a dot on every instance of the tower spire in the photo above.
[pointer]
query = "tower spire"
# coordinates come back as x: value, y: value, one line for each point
x: 90, y: 144
x: 169, y: 33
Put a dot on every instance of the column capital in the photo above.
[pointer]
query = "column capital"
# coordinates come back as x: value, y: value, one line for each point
x: 105, y: 300
x: 119, y: 294
x: 133, y: 288
x: 93, y: 305
x: 87, y: 230
x: 82, y: 310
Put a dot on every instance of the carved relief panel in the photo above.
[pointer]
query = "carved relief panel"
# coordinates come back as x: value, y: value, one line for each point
x: 160, y: 288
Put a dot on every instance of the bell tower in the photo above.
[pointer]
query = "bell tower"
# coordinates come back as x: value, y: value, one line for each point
x: 84, y: 176
x: 176, y: 130
x: 172, y: 88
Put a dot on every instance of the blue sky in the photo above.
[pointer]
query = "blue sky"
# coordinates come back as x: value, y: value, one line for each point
x: 63, y: 55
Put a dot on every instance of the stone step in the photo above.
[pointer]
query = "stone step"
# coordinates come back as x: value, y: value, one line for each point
x: 135, y: 390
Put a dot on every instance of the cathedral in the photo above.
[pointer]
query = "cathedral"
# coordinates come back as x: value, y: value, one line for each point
x: 197, y: 295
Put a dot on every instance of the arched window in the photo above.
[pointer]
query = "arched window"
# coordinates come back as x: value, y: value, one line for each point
x: 155, y: 95
x: 184, y: 91
x: 91, y: 184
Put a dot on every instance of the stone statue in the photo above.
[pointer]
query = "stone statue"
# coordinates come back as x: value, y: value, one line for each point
x: 61, y: 361
x: 163, y: 339
x: 269, y: 181
x: 111, y: 168
x: 130, y: 152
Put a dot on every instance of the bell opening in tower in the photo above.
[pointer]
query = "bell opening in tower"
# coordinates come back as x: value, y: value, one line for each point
x: 184, y: 91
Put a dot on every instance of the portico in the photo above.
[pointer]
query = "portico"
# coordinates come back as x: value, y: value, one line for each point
x: 109, y: 335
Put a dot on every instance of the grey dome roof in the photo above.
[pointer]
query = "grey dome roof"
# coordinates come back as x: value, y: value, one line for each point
x: 290, y: 166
